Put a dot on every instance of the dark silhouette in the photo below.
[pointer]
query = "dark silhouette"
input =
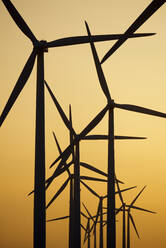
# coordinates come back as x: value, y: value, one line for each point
x: 127, y: 208
x: 111, y: 225
x: 69, y: 217
x: 100, y: 209
x: 77, y: 163
x: 71, y: 178
x: 76, y: 140
x: 39, y: 47
x: 88, y: 229
x: 105, y: 137
x: 148, y: 12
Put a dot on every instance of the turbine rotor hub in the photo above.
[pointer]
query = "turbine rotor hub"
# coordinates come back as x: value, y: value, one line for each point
x: 111, y: 103
x: 41, y: 46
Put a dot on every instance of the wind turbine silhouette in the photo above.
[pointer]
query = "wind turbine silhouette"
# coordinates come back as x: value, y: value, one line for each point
x: 71, y: 199
x: 88, y: 229
x: 39, y: 48
x: 148, y: 12
x: 127, y: 208
x: 100, y: 207
x: 71, y: 207
x: 111, y: 225
x: 76, y: 161
x: 77, y: 138
x: 71, y: 178
x: 76, y: 178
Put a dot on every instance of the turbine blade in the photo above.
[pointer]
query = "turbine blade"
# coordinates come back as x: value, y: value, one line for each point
x: 122, y: 190
x: 96, y: 217
x: 68, y: 41
x: 99, y: 70
x: 98, y: 212
x: 85, y: 236
x: 58, y: 192
x: 83, y: 227
x: 57, y: 143
x: 19, y: 85
x: 92, y: 179
x: 60, y: 151
x: 119, y: 192
x: 149, y: 11
x: 92, y: 168
x: 105, y: 137
x: 19, y: 20
x: 31, y: 193
x: 90, y: 189
x: 84, y: 215
x: 96, y: 137
x: 133, y: 223
x: 137, y: 196
x: 65, y: 155
x: 142, y: 209
x: 60, y: 218
x: 60, y: 110
x: 118, y: 210
x: 140, y: 110
x: 94, y: 122
x: 128, y: 137
x: 87, y: 211
x: 57, y: 173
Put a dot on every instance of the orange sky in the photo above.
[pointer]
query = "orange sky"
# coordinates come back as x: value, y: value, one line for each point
x: 135, y: 74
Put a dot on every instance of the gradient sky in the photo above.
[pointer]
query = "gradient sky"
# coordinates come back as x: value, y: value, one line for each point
x: 135, y: 74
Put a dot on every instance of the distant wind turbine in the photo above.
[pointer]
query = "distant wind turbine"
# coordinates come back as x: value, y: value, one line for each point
x: 100, y: 208
x: 71, y: 179
x: 127, y: 208
x: 88, y: 230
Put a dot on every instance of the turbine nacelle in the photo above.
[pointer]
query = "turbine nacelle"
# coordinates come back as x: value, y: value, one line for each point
x: 111, y: 103
x: 41, y: 46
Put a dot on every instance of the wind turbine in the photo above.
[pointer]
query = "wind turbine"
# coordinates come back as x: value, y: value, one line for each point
x: 127, y: 208
x: 71, y: 178
x: 148, y: 12
x: 75, y: 152
x: 100, y: 207
x: 71, y: 207
x: 88, y: 230
x: 71, y: 200
x: 111, y: 225
x: 39, y: 48
x: 99, y: 213
x: 75, y: 138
